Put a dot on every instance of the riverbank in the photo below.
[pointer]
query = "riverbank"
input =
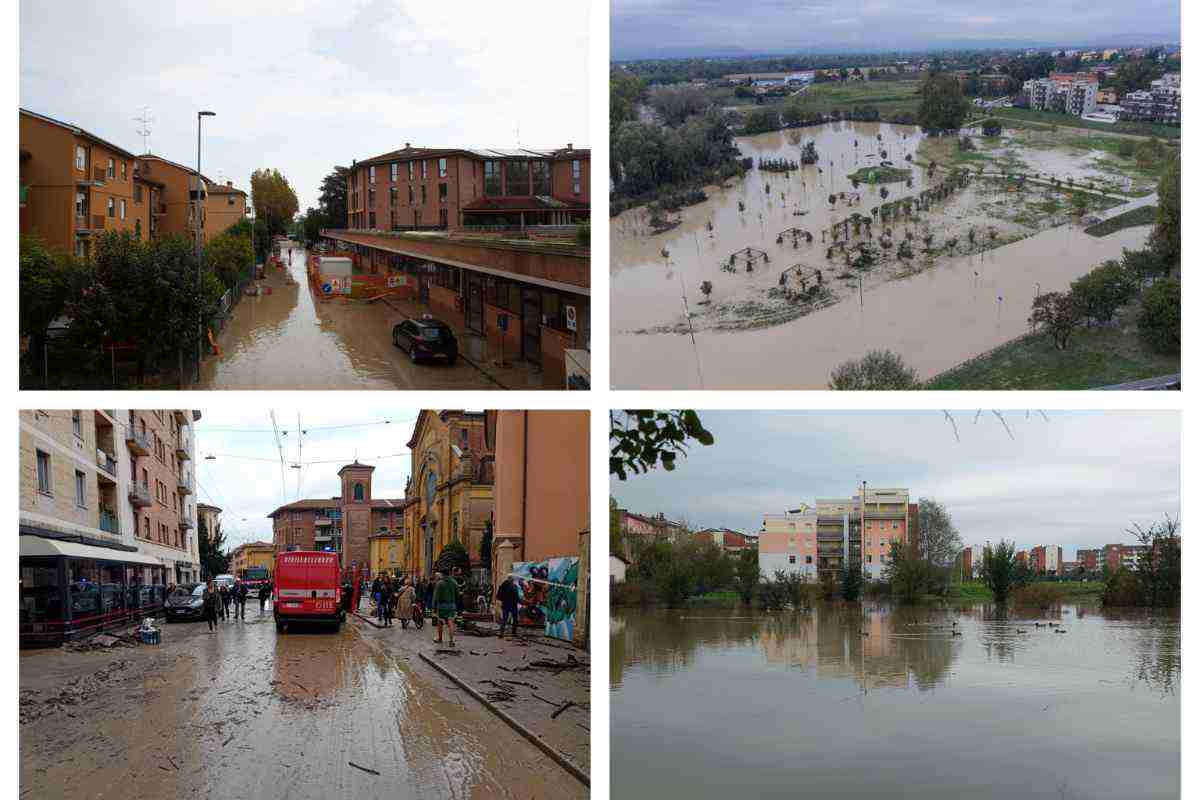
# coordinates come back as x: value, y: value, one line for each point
x: 1071, y: 590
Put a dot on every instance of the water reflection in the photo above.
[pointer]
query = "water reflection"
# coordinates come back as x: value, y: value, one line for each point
x: 703, y: 701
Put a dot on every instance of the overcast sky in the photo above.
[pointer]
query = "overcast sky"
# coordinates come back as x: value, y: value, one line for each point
x: 1077, y: 480
x: 656, y: 28
x: 244, y: 477
x: 308, y: 84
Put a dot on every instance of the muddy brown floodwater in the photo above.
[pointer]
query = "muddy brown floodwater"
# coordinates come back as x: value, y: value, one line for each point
x: 959, y: 307
x: 249, y: 713
x: 289, y: 339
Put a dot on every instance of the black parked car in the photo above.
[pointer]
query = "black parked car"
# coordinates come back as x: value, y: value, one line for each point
x: 426, y: 338
x: 186, y: 602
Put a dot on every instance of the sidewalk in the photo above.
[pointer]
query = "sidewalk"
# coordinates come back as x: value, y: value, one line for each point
x: 539, y: 686
x: 516, y: 374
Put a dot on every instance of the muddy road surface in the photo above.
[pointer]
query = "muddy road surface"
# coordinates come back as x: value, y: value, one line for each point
x: 251, y: 713
x: 290, y: 339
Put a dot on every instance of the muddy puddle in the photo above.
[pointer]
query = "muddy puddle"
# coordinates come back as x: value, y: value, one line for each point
x: 788, y: 310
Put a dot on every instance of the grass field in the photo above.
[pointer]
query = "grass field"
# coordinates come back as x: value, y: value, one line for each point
x: 1093, y: 358
x: 1142, y: 215
x: 1066, y: 120
x: 889, y: 97
x: 976, y: 590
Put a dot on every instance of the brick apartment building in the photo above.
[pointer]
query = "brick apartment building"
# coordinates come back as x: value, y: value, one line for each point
x: 637, y: 529
x: 107, y: 516
x: 730, y: 541
x: 76, y: 185
x: 451, y: 188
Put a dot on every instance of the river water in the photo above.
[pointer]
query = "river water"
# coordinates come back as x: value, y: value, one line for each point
x: 872, y: 700
x: 963, y: 306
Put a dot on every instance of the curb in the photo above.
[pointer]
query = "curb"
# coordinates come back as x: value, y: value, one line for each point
x: 564, y: 762
x: 367, y: 620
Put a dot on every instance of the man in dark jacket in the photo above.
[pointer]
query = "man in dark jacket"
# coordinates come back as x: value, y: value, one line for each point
x: 264, y: 592
x: 211, y: 601
x: 508, y: 596
x: 240, y: 591
x: 223, y: 601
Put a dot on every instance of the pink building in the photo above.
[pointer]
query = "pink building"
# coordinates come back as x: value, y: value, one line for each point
x: 788, y: 543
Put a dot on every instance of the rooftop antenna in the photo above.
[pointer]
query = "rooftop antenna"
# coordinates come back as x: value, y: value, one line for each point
x: 518, y: 137
x: 144, y: 130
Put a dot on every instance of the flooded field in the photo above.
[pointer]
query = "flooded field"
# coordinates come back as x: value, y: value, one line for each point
x: 854, y: 701
x: 289, y: 339
x: 250, y: 713
x: 771, y: 308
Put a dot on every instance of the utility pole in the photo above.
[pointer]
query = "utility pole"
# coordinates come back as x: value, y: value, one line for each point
x: 200, y: 115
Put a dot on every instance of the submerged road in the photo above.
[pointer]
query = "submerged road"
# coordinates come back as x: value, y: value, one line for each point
x: 289, y: 339
x: 256, y: 715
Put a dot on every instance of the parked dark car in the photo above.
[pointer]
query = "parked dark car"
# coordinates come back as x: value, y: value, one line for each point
x: 426, y: 338
x: 186, y: 602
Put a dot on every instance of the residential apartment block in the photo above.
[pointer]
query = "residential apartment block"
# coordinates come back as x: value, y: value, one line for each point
x: 107, y: 516
x: 729, y: 541
x: 1064, y: 92
x: 1162, y: 102
x: 835, y: 533
x: 76, y: 185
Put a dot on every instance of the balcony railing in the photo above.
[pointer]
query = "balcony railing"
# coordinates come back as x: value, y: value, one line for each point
x: 185, y: 524
x: 181, y: 451
x: 106, y: 463
x: 109, y: 522
x: 322, y: 521
x: 137, y: 442
x: 185, y: 484
x: 139, y: 495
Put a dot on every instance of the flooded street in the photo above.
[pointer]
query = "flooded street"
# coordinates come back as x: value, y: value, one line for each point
x: 854, y: 701
x: 289, y: 339
x: 935, y: 315
x: 250, y: 713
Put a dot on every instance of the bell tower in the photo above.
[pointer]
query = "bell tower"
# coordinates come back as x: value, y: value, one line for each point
x: 356, y: 513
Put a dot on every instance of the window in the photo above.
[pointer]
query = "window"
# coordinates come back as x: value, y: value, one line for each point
x: 441, y: 167
x: 371, y: 224
x: 392, y: 196
x: 112, y: 168
x: 395, y: 171
x: 358, y: 491
x: 791, y: 559
x: 410, y: 177
x: 516, y: 178
x: 81, y: 204
x: 137, y: 193
x: 43, y: 473
x: 575, y: 173
x: 410, y: 195
x: 80, y: 157
x: 424, y: 170
x: 370, y: 174
x: 541, y: 177
x: 112, y: 207
x: 868, y: 559
x: 442, y: 192
x: 491, y: 177
x: 370, y: 198
x: 81, y: 248
x: 122, y: 208
x: 80, y: 489
x: 895, y: 525
x: 424, y: 197
x: 808, y: 559
x: 124, y: 170
x: 77, y: 424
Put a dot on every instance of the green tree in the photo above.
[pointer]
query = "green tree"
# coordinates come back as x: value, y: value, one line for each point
x: 454, y: 554
x: 1166, y: 239
x: 332, y: 200
x: 1160, y: 564
x: 213, y: 558
x: 1160, y: 321
x: 999, y: 569
x: 273, y: 199
x: 939, y: 541
x: 943, y: 108
x: 761, y: 120
x: 904, y: 574
x: 852, y: 582
x: 1105, y: 289
x: 746, y: 574
x: 47, y: 281
x: 639, y: 440
x: 877, y: 370
x: 624, y: 91
x: 231, y: 258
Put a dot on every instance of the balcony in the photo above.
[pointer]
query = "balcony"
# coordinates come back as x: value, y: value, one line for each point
x: 322, y: 522
x: 139, y: 495
x: 181, y: 452
x: 138, y: 443
x: 181, y: 416
x: 109, y: 522
x: 185, y: 485
x: 185, y: 524
x: 108, y: 467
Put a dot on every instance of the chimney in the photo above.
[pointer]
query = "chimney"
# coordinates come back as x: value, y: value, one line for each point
x: 570, y: 147
x: 229, y: 184
x: 408, y: 145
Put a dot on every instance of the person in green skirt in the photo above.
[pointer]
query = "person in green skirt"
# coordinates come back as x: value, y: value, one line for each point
x: 445, y: 604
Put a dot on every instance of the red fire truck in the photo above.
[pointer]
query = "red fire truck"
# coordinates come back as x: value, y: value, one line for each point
x: 253, y: 578
x: 307, y: 588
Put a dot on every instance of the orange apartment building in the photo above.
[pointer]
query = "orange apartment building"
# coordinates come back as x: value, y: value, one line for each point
x: 75, y: 185
x: 542, y: 485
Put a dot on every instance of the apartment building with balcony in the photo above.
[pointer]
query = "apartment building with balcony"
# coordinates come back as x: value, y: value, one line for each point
x: 85, y: 560
x: 221, y: 205
x: 75, y: 185
x: 788, y: 543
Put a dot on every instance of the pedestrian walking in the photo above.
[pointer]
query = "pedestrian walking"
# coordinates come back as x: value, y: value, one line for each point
x: 483, y: 603
x: 387, y: 596
x: 508, y: 596
x: 264, y: 592
x: 211, y: 601
x: 379, y: 589
x: 223, y: 602
x: 404, y: 603
x: 240, y: 591
x: 375, y: 584
x: 445, y: 601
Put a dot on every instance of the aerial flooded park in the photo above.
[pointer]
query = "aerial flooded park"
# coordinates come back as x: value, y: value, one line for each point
x: 836, y: 237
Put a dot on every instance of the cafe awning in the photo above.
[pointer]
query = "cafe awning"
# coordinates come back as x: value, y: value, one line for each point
x: 39, y: 546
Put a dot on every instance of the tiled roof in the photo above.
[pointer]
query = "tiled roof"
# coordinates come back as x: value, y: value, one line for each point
x: 486, y: 154
x: 334, y: 502
x: 78, y: 131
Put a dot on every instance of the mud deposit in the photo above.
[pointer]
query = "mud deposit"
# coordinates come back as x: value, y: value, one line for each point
x: 250, y: 713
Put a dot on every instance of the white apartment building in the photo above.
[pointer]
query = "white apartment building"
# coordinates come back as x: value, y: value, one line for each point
x: 788, y: 543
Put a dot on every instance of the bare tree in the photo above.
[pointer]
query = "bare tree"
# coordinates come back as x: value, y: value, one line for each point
x: 939, y: 541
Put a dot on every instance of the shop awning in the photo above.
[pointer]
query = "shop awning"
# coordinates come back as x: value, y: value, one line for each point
x: 41, y: 546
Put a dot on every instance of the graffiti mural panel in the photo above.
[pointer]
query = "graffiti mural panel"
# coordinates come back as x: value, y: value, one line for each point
x: 547, y: 594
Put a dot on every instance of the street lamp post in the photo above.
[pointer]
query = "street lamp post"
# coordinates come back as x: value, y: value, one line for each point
x: 200, y: 115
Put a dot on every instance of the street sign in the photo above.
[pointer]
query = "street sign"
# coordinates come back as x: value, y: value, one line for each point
x: 571, y: 323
